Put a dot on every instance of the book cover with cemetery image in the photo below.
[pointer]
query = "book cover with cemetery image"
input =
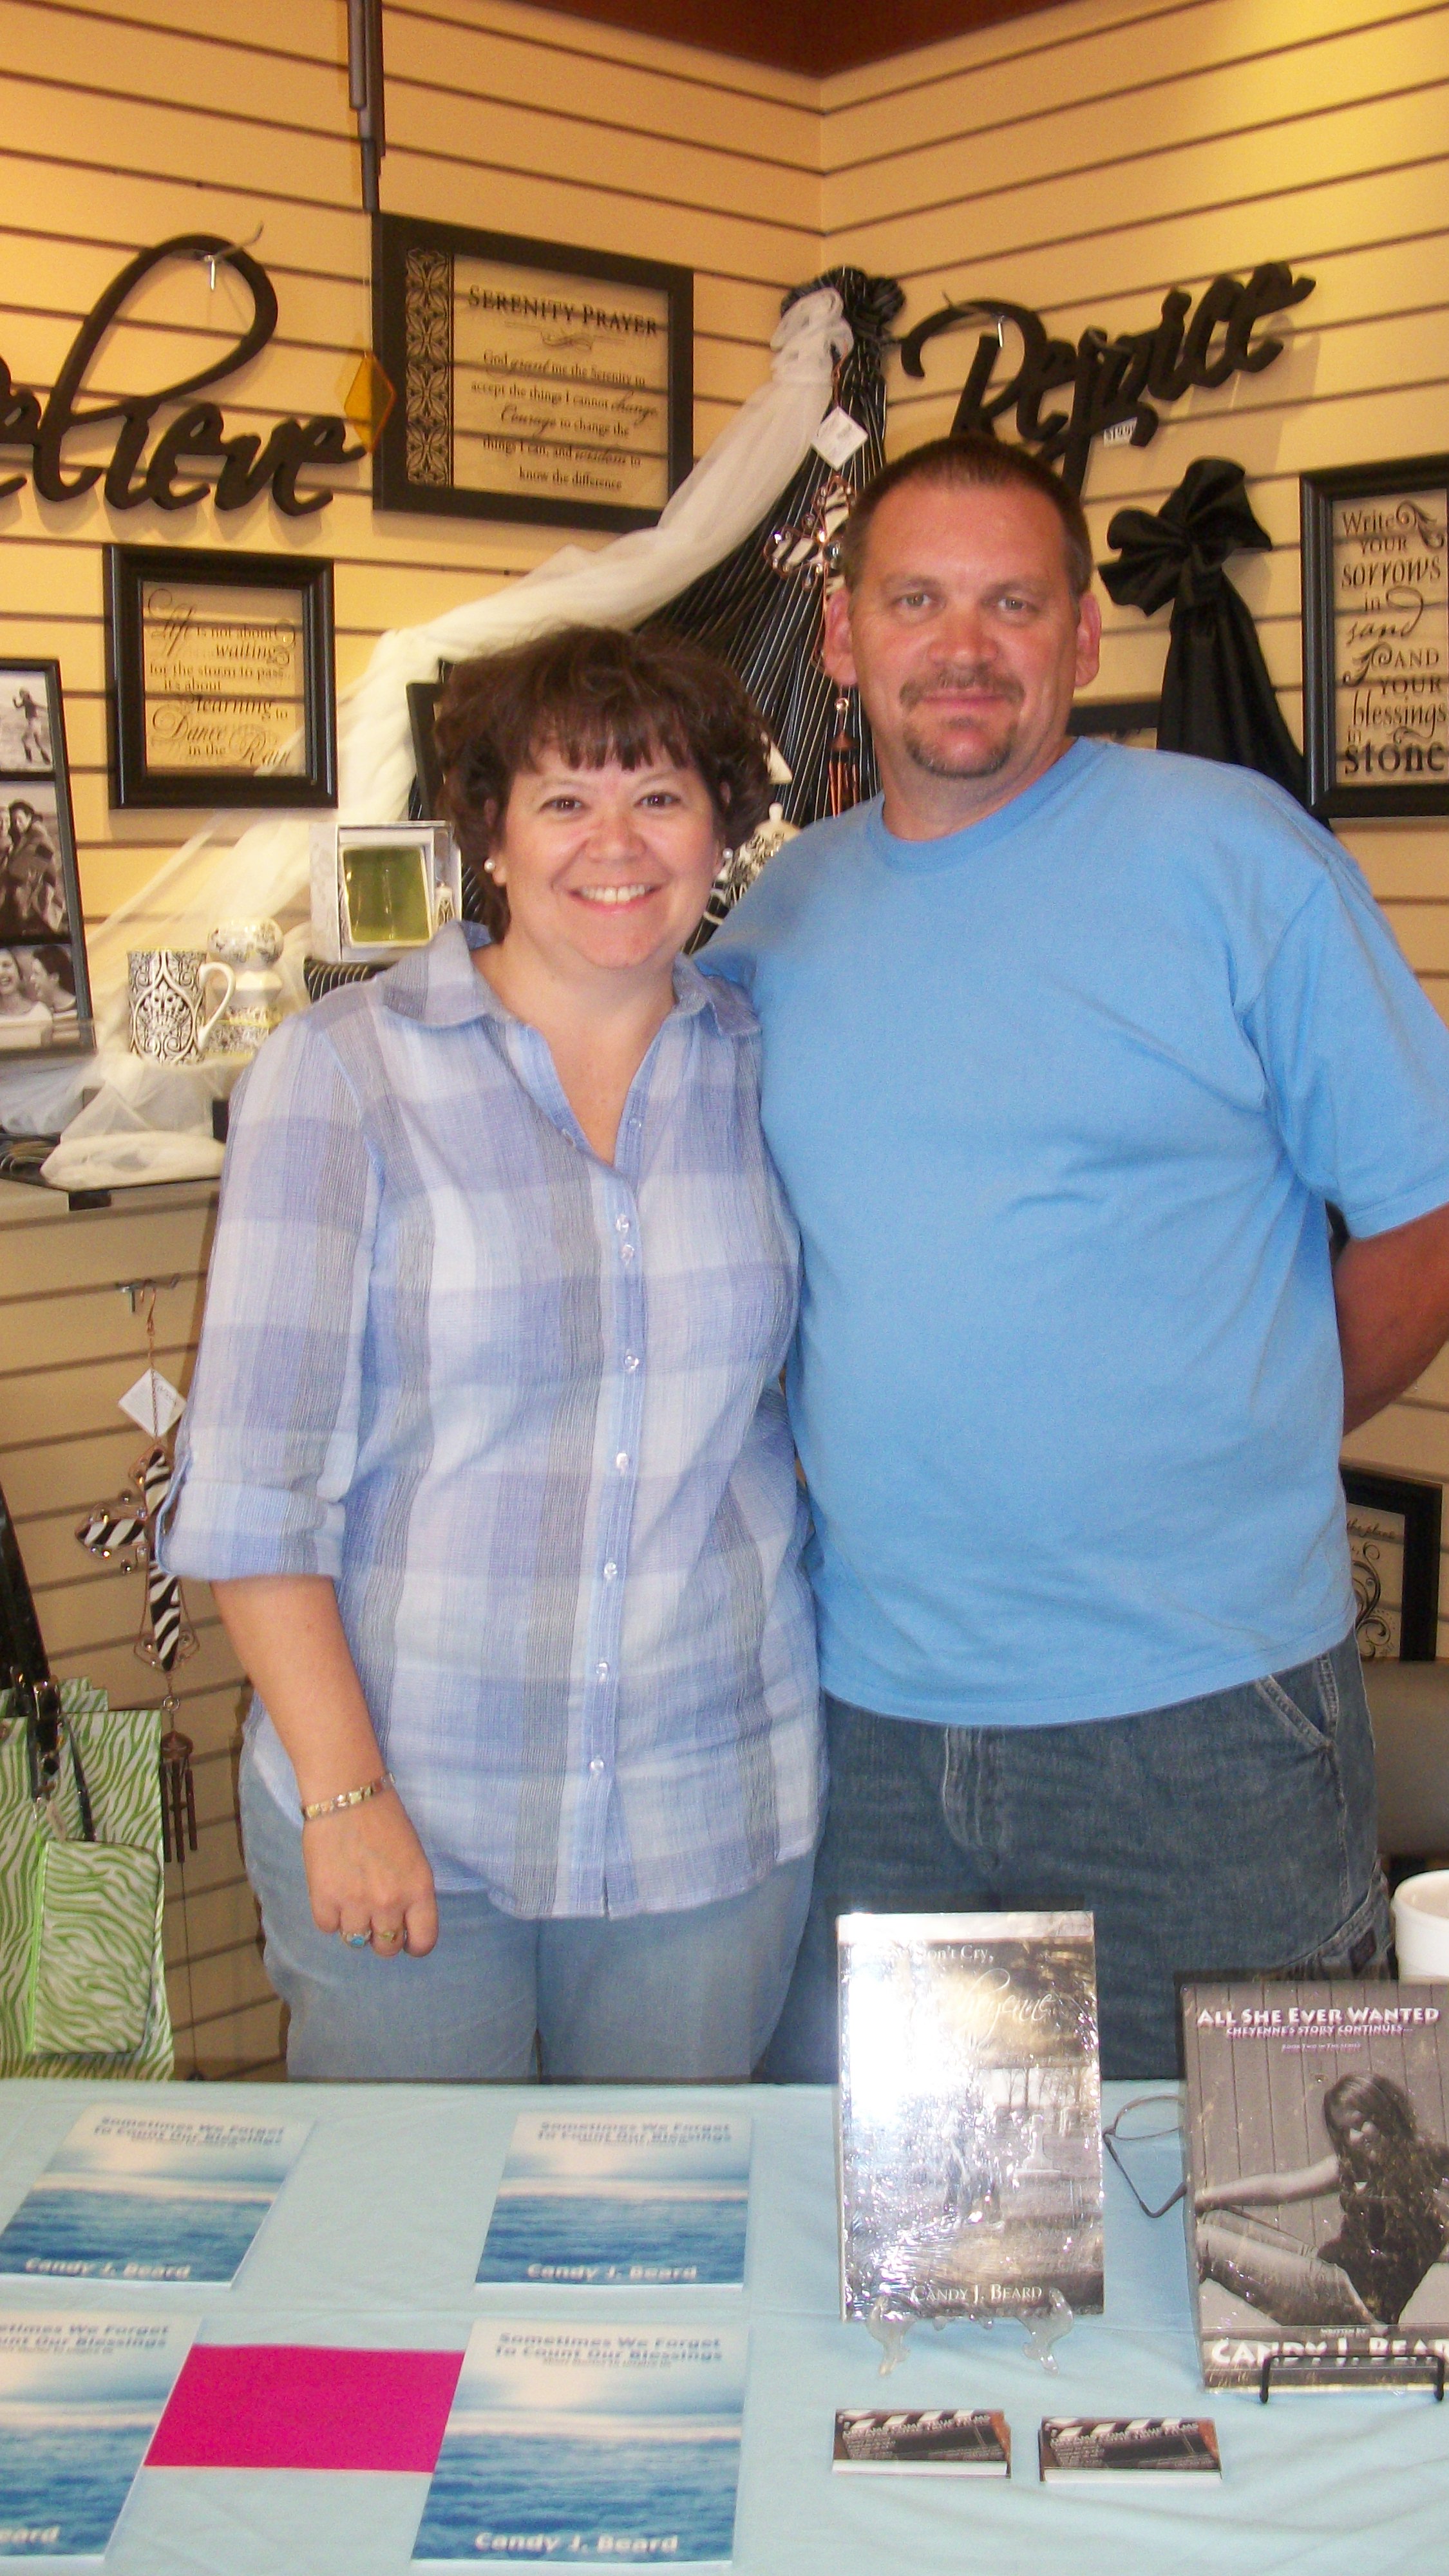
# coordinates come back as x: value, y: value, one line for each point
x: 602, y: 2202
x: 80, y: 2397
x: 148, y: 2196
x: 970, y: 2115
x: 589, y: 2443
x: 1318, y: 2181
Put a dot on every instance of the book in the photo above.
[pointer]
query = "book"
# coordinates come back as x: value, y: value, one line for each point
x: 152, y: 2196
x: 1141, y: 2449
x: 641, y: 2202
x: 306, y: 2406
x: 970, y: 2115
x: 1318, y: 2181
x: 79, y: 2400
x: 947, y: 2441
x: 588, y: 2443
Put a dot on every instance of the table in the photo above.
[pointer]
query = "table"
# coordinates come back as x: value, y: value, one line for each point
x: 375, y: 2240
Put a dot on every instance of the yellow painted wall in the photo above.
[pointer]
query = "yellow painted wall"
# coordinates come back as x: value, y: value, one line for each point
x: 1084, y: 161
x: 120, y: 124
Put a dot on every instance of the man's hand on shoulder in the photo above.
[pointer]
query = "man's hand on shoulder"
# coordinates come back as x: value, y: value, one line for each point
x: 1392, y: 1292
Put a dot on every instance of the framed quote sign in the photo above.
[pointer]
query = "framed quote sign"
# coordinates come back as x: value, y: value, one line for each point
x: 1393, y: 1542
x: 1376, y: 637
x: 533, y: 381
x: 220, y: 676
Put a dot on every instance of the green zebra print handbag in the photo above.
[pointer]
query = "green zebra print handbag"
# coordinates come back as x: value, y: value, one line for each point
x: 82, y: 1972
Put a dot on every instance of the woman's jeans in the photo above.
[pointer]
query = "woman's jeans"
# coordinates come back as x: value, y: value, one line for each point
x: 687, y: 1998
x: 1226, y: 1835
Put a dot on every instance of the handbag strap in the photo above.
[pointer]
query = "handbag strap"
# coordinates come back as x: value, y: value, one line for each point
x: 47, y: 1736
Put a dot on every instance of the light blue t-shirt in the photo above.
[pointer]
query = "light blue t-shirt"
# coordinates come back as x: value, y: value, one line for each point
x: 1058, y: 1101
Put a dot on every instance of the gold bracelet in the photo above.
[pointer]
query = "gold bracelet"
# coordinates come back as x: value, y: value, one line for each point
x: 349, y: 1798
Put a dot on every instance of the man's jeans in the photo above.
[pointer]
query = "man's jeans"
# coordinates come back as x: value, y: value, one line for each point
x: 1225, y: 1835
x: 687, y: 1998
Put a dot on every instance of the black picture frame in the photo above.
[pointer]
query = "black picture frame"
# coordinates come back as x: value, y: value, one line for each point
x: 1420, y: 1506
x: 413, y: 461
x: 40, y: 897
x: 136, y: 778
x: 1414, y: 778
x: 1114, y: 718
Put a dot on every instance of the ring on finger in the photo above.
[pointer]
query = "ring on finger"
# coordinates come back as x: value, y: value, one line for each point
x: 355, y: 1940
x: 387, y: 1940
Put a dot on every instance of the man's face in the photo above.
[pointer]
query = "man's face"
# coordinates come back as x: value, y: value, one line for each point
x: 966, y: 644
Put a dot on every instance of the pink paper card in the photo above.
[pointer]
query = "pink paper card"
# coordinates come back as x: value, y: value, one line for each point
x: 305, y: 2406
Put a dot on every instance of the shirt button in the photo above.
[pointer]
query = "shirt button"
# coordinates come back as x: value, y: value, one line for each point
x: 596, y: 1766
x: 621, y: 1225
x: 622, y: 1460
x: 626, y: 1252
x: 631, y: 1362
x: 601, y: 1672
x: 610, y: 1572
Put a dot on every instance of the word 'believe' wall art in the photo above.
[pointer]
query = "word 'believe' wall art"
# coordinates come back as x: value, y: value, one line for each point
x: 196, y: 436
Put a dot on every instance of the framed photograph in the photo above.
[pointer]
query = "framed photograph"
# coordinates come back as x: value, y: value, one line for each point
x: 1129, y: 720
x: 1393, y: 1539
x: 221, y: 677
x: 1376, y: 637
x: 534, y: 381
x: 45, y: 998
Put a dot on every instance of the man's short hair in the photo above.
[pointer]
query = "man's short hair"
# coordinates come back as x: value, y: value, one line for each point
x: 969, y: 461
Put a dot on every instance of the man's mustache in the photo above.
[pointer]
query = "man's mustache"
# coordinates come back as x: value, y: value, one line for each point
x: 977, y: 678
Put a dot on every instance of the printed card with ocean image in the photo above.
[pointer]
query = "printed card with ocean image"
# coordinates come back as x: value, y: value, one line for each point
x: 80, y: 2397
x: 595, y: 2202
x: 587, y: 2443
x: 149, y: 2196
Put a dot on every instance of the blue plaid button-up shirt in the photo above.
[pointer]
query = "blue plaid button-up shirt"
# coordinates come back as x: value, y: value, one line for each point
x: 522, y: 1406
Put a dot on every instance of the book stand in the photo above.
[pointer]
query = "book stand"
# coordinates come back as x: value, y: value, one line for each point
x: 1043, y: 2331
x: 1375, y: 2373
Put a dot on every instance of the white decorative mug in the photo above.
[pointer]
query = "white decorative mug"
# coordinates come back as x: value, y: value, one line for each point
x: 255, y: 1008
x: 1421, y: 1928
x: 170, y: 1023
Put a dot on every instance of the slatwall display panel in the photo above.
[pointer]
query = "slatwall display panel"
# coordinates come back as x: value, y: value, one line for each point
x: 1085, y: 160
x: 69, y: 1349
x: 124, y: 123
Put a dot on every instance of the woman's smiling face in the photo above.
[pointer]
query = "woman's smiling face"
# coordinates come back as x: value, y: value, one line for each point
x: 606, y: 868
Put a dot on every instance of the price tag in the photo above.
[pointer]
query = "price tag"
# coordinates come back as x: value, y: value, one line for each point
x: 838, y: 437
x: 153, y: 1402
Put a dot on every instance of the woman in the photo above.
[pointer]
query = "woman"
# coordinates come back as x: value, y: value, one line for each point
x: 486, y: 1454
x: 47, y: 976
x: 1392, y: 2225
x: 24, y: 1020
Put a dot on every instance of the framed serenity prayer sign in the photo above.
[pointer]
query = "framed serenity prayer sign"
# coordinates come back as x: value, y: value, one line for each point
x: 221, y: 678
x: 534, y: 382
x: 1376, y: 637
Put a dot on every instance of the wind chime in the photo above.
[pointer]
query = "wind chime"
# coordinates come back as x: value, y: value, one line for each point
x: 123, y: 1532
x: 806, y: 551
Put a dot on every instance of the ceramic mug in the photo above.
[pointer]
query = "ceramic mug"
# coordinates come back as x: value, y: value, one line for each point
x: 170, y: 1023
x: 255, y: 1008
x: 1421, y: 1928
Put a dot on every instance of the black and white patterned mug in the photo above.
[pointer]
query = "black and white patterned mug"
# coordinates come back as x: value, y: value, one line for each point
x: 170, y: 1022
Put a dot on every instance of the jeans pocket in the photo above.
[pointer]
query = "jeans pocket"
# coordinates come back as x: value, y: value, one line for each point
x: 1305, y: 1701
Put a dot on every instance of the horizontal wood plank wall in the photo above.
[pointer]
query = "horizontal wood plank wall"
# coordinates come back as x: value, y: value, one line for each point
x: 1084, y: 161
x: 119, y: 124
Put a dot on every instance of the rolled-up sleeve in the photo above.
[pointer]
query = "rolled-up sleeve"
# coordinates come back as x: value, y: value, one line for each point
x: 268, y: 1445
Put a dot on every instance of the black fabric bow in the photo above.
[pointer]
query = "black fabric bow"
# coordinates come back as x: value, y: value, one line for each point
x: 1217, y: 698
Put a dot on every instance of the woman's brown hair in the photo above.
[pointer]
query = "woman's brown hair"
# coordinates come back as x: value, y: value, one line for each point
x: 594, y: 694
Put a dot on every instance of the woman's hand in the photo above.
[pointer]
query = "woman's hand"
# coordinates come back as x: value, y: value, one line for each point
x: 367, y: 1872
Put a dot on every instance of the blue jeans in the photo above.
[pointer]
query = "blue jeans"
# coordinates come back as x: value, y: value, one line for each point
x: 688, y: 1998
x: 1225, y: 1835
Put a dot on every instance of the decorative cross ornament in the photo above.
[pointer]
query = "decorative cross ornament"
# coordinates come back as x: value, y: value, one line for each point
x: 125, y: 1530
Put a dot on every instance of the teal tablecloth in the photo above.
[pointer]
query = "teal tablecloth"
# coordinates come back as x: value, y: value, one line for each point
x: 375, y: 2240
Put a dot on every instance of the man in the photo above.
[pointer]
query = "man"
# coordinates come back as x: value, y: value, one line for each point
x: 1067, y: 1049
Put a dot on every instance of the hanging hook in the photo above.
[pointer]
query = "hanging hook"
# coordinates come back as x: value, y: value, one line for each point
x: 211, y: 259
x: 131, y: 1289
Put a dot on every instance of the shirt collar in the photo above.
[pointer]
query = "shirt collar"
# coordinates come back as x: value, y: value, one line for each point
x: 440, y: 987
